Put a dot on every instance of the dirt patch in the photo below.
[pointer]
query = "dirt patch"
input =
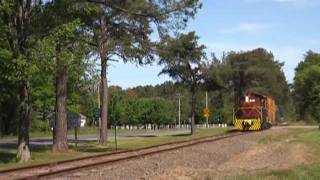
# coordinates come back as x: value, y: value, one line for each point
x: 275, y: 156
x: 281, y: 155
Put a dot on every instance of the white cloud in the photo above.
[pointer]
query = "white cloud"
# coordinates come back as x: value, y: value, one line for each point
x: 248, y: 28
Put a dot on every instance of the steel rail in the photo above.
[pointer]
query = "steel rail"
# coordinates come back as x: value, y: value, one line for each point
x: 179, y: 144
x: 94, y: 156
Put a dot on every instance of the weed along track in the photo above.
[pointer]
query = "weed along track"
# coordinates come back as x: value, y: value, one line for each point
x: 62, y: 167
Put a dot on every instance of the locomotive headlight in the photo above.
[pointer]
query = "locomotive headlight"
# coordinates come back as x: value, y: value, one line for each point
x: 247, y: 99
x: 248, y: 122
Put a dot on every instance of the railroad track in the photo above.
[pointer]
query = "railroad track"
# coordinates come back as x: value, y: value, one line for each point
x: 66, y: 166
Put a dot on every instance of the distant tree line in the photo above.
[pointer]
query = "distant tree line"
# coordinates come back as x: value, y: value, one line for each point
x: 226, y: 80
x: 127, y: 109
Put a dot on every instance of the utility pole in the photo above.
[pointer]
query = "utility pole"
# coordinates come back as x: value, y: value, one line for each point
x: 207, y: 117
x: 179, y: 115
x: 98, y: 88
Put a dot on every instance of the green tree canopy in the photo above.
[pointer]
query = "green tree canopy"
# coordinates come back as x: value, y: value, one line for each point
x: 307, y: 87
x: 182, y: 58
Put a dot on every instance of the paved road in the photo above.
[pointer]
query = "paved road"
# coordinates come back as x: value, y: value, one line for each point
x: 44, y: 141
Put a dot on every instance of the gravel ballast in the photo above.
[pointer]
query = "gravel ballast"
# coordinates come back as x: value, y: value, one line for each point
x: 214, y: 160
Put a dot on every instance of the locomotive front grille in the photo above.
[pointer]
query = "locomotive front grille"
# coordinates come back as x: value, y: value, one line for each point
x: 247, y: 124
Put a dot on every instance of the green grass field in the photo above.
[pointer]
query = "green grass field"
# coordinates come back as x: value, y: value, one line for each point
x: 44, y: 154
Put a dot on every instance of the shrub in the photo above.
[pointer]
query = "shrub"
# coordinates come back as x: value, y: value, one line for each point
x: 39, y: 125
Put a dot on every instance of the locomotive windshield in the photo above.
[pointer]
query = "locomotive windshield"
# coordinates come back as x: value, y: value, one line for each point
x: 247, y: 113
x: 250, y: 107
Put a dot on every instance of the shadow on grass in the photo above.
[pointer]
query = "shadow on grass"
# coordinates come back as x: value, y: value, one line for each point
x: 181, y: 135
x: 40, y: 148
x: 234, y: 130
x: 142, y: 136
x: 93, y: 149
x: 83, y: 146
x: 6, y: 157
x: 245, y: 131
x: 91, y: 146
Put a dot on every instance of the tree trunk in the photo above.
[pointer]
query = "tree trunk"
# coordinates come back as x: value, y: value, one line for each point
x: 104, y: 108
x: 60, y: 139
x: 23, y: 154
x: 193, y: 112
x: 22, y: 21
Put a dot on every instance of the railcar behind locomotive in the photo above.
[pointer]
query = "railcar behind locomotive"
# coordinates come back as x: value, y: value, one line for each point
x: 256, y: 112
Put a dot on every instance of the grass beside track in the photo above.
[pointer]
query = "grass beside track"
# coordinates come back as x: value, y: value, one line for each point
x: 311, y: 171
x: 44, y: 154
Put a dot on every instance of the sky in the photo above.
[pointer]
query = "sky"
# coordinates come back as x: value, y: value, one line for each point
x: 287, y: 28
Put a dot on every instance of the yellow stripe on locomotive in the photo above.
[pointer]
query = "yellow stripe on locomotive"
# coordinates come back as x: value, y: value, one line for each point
x: 247, y: 124
x: 256, y: 112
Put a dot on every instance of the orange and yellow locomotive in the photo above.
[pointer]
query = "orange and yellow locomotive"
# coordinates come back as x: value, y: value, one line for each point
x: 256, y: 112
